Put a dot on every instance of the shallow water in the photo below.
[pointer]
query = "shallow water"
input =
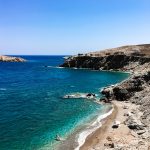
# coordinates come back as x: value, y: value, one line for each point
x: 32, y: 110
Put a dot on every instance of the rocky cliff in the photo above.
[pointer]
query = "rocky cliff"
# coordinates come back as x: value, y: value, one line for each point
x: 111, y: 59
x: 11, y: 59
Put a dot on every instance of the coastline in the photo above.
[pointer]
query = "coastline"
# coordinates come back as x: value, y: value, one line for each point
x: 128, y: 113
x: 97, y: 136
x: 109, y: 138
x: 130, y: 96
x: 77, y: 139
x: 106, y: 135
x: 96, y: 125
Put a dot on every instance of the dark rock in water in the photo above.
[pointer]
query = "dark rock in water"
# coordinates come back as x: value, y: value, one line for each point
x: 107, y: 93
x: 105, y: 100
x: 89, y: 94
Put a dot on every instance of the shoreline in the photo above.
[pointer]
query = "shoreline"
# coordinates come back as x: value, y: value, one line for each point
x: 97, y: 124
x: 104, y: 122
x: 106, y: 137
x: 99, y: 134
x: 116, y: 71
x: 77, y: 139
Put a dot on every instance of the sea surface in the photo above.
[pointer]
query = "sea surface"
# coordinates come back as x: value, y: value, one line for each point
x: 32, y: 108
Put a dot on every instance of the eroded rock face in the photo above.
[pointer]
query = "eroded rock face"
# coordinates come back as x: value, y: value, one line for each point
x: 111, y: 59
x: 11, y: 59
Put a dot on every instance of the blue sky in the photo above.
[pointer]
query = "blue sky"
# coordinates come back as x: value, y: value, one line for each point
x: 51, y: 27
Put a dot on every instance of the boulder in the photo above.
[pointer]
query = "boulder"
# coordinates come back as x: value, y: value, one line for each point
x: 106, y: 92
x: 120, y: 93
x: 133, y: 124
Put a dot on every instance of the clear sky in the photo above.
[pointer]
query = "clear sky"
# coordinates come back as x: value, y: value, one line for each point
x: 51, y: 27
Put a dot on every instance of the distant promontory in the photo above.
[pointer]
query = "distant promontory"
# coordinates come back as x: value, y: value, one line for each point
x: 11, y: 59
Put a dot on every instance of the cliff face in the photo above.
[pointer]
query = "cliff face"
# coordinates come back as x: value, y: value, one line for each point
x: 11, y: 59
x: 115, y: 59
x: 114, y: 62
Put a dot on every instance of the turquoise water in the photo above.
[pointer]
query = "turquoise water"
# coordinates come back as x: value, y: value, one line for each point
x: 32, y: 110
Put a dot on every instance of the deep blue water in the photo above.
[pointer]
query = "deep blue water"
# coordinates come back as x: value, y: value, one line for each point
x: 32, y: 110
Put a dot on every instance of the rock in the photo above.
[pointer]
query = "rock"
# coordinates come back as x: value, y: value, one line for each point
x: 105, y: 100
x: 133, y: 125
x: 110, y: 145
x: 116, y: 124
x: 117, y: 59
x: 141, y: 132
x: 107, y: 92
x: 125, y: 107
x: 127, y: 114
x: 120, y: 94
x: 109, y: 138
x: 134, y: 134
x: 11, y: 59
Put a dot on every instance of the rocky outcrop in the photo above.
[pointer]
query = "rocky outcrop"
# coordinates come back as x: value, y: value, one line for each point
x: 111, y: 59
x: 11, y: 59
x: 128, y: 88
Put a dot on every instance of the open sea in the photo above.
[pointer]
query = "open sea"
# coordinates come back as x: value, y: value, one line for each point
x: 32, y: 108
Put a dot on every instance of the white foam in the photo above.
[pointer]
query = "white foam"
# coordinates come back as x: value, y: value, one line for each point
x: 76, y: 95
x: 59, y: 67
x: 54, y: 67
x: 89, y: 130
x: 72, y: 86
x: 3, y: 89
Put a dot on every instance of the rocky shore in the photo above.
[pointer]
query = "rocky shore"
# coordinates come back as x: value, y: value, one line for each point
x: 11, y: 59
x: 132, y: 96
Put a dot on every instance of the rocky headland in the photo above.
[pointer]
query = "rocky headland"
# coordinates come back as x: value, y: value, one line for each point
x: 11, y: 59
x: 131, y: 97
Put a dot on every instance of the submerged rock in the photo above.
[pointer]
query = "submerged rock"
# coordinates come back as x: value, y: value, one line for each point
x: 80, y: 95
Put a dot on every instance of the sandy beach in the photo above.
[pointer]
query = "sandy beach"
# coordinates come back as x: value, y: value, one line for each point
x: 107, y: 138
x: 98, y: 135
